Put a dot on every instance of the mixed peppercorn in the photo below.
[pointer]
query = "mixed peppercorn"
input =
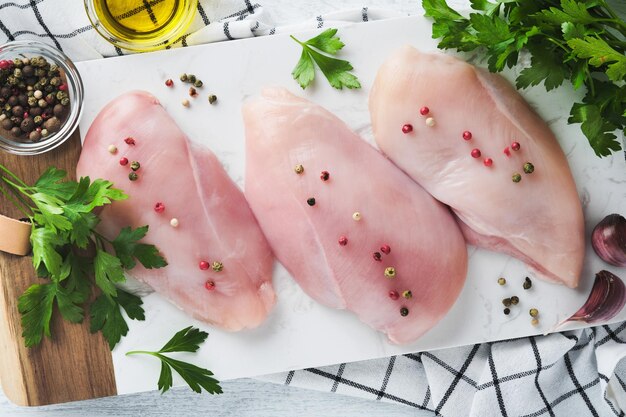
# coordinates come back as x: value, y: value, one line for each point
x: 34, y: 101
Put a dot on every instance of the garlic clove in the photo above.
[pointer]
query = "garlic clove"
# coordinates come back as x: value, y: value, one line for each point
x: 606, y: 300
x: 609, y: 240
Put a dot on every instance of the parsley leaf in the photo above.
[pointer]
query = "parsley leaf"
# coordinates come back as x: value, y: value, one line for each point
x: 108, y: 271
x: 336, y: 71
x: 35, y: 305
x: 186, y: 340
x: 545, y: 66
x: 600, y: 53
x: 597, y: 130
x: 45, y: 243
x: 106, y: 315
x: 127, y: 249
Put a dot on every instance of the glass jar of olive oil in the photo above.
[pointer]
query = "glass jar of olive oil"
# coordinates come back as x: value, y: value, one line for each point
x: 141, y: 25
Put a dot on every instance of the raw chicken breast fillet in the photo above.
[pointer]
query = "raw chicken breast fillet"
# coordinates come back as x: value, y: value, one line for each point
x: 426, y: 247
x: 215, y: 223
x: 538, y: 219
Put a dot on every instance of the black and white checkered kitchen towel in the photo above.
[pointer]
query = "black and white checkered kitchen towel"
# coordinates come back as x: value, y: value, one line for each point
x: 576, y: 373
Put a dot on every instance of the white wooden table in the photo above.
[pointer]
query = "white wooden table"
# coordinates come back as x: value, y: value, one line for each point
x: 242, y: 397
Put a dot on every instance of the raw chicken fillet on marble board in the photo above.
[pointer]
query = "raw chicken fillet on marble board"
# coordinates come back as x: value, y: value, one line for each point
x: 353, y: 230
x: 215, y: 223
x: 469, y: 138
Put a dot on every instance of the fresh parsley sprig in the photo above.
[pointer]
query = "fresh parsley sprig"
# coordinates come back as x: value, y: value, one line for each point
x: 187, y: 340
x: 583, y: 41
x: 336, y: 71
x: 73, y: 257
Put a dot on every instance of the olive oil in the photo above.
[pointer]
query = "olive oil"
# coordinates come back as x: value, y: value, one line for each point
x: 143, y: 24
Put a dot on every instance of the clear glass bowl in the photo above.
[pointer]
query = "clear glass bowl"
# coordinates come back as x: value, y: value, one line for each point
x: 29, y: 49
x: 140, y: 41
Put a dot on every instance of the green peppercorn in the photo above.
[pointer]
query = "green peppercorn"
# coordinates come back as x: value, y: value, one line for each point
x: 198, y: 83
x: 501, y: 281
x: 135, y: 166
x: 183, y: 77
x: 390, y: 272
x: 506, y: 302
x: 32, y: 101
x: 404, y: 311
x: 43, y: 81
x: 217, y: 266
x: 212, y: 98
x: 533, y: 312
x: 527, y: 283
x: 529, y: 168
x: 514, y: 300
x: 17, y: 73
x: 407, y: 294
x: 17, y: 62
x: 133, y: 176
x: 191, y: 78
x: 54, y: 68
x: 55, y: 81
x: 38, y: 120
x: 516, y: 177
x: 65, y: 101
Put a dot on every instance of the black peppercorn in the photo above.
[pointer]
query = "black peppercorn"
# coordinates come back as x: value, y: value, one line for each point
x: 310, y: 201
x: 34, y: 136
x: 52, y: 124
x: 12, y: 101
x: 23, y: 100
x: 527, y: 283
x: 28, y: 71
x: 7, y: 124
x: 5, y: 92
x: 404, y: 311
x: 58, y: 110
x: 507, y: 311
x: 16, y: 131
x: 27, y: 125
x: 18, y: 111
x: 35, y: 111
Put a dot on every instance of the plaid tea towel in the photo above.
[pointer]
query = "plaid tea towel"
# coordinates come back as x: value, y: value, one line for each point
x: 576, y: 373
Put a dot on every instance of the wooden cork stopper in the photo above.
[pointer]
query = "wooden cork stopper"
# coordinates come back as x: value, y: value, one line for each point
x: 14, y: 236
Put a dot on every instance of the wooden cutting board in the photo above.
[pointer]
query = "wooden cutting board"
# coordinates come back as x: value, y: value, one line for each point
x: 75, y: 365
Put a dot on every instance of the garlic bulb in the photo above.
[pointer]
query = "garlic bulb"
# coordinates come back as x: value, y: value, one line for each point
x: 606, y: 299
x: 609, y: 240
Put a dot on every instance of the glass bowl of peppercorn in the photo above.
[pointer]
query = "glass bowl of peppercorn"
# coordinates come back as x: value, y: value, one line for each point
x: 41, y: 97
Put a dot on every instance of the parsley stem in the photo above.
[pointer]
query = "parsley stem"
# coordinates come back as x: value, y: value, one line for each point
x: 12, y: 175
x: 18, y: 204
x: 17, y: 193
x: 141, y: 352
x: 294, y: 38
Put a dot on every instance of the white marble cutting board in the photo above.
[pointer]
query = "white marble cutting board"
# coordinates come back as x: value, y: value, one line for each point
x: 301, y: 333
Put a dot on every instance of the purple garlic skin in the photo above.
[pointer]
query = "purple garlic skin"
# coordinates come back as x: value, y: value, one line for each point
x: 606, y: 300
x: 609, y: 240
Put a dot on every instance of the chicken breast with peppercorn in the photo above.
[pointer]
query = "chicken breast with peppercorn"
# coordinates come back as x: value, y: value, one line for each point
x: 476, y: 145
x: 220, y: 265
x: 352, y: 229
